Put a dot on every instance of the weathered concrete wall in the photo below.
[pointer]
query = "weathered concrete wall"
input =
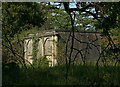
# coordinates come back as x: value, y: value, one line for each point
x: 28, y: 50
x: 87, y: 42
x: 46, y: 48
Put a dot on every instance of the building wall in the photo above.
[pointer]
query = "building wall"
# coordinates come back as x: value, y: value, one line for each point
x: 87, y: 42
x: 28, y: 50
x: 46, y: 48
x: 53, y: 47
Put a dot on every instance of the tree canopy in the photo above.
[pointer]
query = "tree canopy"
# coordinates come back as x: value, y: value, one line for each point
x: 21, y: 16
x: 18, y: 17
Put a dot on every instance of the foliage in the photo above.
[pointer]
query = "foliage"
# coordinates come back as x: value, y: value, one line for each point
x: 20, y: 16
x: 38, y: 62
x: 84, y: 75
x: 111, y: 54
x: 115, y: 32
x: 41, y: 63
x: 111, y: 14
x: 11, y: 72
x: 18, y: 19
x: 35, y: 41
x: 55, y: 18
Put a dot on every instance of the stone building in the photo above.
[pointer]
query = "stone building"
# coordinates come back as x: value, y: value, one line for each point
x: 52, y: 45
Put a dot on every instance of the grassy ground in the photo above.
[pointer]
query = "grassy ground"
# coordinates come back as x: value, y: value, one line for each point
x: 78, y: 75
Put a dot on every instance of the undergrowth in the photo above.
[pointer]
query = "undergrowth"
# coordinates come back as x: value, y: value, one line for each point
x: 78, y: 75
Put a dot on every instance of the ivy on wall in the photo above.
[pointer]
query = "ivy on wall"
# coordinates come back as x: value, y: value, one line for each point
x: 38, y: 62
x: 35, y: 48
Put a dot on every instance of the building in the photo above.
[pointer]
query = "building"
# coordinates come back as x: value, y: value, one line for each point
x: 52, y: 45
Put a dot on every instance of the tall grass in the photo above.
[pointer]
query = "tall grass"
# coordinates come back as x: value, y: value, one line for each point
x: 78, y: 75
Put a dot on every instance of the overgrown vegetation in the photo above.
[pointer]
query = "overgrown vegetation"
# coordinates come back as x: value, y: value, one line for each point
x: 78, y: 75
x: 35, y: 41
x: 20, y: 19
